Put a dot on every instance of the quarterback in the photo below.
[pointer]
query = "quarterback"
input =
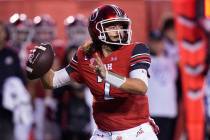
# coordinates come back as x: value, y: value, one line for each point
x: 116, y: 71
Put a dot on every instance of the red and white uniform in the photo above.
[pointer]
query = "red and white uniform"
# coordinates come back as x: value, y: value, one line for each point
x: 114, y: 109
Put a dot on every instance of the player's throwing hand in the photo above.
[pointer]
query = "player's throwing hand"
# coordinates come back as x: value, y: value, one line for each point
x: 98, y: 66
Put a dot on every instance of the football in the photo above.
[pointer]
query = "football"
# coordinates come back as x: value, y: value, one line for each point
x: 40, y: 61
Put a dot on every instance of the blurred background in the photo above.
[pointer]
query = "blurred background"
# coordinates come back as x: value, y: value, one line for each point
x: 176, y: 31
x: 144, y: 16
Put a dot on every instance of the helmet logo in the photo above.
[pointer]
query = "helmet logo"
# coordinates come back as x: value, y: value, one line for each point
x: 94, y: 15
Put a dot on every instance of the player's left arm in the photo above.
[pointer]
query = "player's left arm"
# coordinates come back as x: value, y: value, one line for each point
x: 137, y: 82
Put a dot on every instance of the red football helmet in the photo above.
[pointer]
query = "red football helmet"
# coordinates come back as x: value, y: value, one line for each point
x: 79, y: 19
x: 44, y: 27
x: 76, y: 30
x: 20, y: 28
x: 109, y: 15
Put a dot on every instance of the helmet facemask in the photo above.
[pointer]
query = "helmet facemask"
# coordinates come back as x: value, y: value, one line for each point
x: 44, y: 34
x: 122, y: 36
x: 22, y: 35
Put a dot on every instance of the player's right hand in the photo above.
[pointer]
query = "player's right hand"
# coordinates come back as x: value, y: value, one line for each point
x: 98, y: 66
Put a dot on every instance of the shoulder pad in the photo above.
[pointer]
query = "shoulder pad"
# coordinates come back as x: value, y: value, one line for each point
x: 140, y: 48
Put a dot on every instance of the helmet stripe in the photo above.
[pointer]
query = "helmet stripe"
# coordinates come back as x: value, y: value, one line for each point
x: 116, y: 10
x: 119, y: 11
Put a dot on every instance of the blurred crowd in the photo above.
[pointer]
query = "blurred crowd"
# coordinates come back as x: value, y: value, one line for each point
x: 29, y: 112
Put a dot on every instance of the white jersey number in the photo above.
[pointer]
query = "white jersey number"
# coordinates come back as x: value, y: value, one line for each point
x: 107, y: 87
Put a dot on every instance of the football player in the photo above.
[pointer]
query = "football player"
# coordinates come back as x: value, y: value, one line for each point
x: 76, y: 30
x: 116, y: 71
x: 45, y: 29
x: 21, y: 31
x: 45, y: 32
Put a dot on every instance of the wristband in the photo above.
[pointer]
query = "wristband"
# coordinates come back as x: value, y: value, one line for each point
x: 60, y: 78
x: 114, y: 79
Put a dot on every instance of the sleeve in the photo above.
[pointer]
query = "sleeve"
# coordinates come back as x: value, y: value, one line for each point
x: 141, y: 74
x: 140, y: 58
x: 72, y: 69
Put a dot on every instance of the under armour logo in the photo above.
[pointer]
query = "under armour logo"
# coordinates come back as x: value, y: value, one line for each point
x: 114, y: 58
x: 100, y: 135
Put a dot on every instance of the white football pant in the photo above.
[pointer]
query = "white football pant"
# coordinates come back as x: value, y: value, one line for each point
x: 141, y: 132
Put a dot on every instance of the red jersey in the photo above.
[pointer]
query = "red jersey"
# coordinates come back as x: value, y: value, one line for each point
x: 114, y: 109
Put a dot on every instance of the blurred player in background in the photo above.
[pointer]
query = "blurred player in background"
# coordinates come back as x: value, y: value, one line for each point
x: 116, y: 71
x: 67, y: 111
x: 169, y: 38
x: 21, y: 31
x: 77, y: 33
x: 76, y: 30
x: 73, y: 113
x: 44, y: 27
x: 45, y: 105
x: 15, y: 107
x: 6, y: 117
x: 162, y: 89
x: 204, y: 24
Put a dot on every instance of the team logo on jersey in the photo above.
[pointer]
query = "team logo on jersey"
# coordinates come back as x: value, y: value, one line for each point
x: 113, y: 58
x: 108, y: 66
